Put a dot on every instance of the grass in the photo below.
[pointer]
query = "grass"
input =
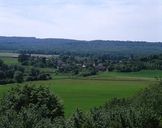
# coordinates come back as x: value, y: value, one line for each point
x: 9, y: 60
x: 12, y: 54
x: 8, y: 54
x: 86, y: 94
x: 8, y: 57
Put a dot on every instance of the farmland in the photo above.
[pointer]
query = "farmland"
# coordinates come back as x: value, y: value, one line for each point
x: 11, y: 58
x: 88, y: 92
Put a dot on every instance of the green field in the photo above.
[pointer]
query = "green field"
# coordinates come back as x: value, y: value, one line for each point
x: 9, y: 60
x: 8, y: 54
x: 85, y: 94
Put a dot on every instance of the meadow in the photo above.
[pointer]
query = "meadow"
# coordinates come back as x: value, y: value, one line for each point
x: 9, y: 60
x: 88, y: 93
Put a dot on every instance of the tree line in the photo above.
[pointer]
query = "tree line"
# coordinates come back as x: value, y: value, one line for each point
x: 91, y: 65
x: 18, y: 74
x: 67, y: 46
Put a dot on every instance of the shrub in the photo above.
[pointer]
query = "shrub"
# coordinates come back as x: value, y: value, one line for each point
x: 28, y: 106
x: 18, y: 76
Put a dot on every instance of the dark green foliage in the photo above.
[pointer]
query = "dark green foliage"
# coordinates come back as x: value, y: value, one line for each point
x: 30, y: 107
x: 115, y: 102
x: 150, y: 98
x: 35, y: 74
x: 120, y: 117
x: 10, y: 73
x: 27, y: 118
x: 80, y: 120
x: 125, y: 117
x: 18, y: 76
x: 17, y: 73
x: 90, y: 65
x: 88, y: 72
x: 128, y: 67
x: 65, y: 46
x: 23, y: 58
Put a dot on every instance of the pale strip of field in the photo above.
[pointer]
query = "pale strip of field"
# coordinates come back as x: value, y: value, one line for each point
x: 15, y: 55
x: 7, y: 54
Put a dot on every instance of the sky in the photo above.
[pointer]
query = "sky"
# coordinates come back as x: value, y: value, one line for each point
x: 136, y: 20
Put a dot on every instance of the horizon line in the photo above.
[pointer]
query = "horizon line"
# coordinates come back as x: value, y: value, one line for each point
x: 144, y: 41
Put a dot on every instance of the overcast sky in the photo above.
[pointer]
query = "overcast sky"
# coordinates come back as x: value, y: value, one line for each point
x: 82, y: 19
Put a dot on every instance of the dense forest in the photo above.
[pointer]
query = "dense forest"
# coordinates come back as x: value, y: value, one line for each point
x: 66, y: 46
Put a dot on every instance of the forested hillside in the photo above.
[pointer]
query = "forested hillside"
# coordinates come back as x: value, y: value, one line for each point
x: 61, y: 46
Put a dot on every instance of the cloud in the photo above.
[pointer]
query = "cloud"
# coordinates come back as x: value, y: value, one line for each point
x: 83, y: 19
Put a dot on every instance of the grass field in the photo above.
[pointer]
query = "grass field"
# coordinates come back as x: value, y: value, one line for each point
x: 15, y: 55
x: 9, y: 60
x: 85, y: 94
x: 9, y: 54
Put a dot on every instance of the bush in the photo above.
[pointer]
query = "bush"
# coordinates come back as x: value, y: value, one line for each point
x: 18, y: 76
x: 28, y: 106
x: 151, y: 97
x: 44, y: 76
x: 88, y: 72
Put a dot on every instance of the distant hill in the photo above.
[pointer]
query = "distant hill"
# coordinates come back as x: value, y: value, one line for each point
x: 58, y: 46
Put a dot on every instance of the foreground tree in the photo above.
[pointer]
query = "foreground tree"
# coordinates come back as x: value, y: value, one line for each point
x: 30, y: 107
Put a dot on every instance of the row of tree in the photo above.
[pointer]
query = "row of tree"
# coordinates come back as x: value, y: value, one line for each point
x: 17, y: 73
x: 36, y: 107
x: 90, y: 65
